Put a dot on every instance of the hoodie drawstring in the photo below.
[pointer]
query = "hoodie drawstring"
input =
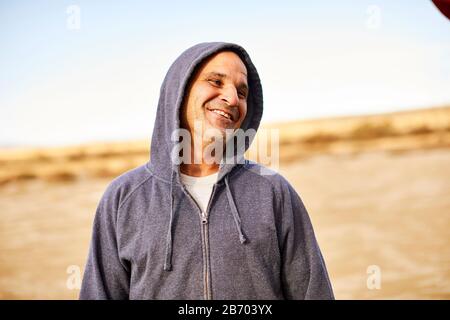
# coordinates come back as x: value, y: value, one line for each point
x: 235, y: 212
x: 169, y: 237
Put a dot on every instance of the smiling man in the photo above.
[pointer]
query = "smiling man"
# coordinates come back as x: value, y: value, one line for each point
x: 216, y: 101
x: 188, y: 229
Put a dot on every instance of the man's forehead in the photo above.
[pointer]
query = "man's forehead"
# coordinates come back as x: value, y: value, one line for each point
x: 218, y: 72
x: 223, y: 61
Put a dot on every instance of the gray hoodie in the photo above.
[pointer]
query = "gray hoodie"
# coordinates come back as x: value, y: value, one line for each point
x: 149, y: 240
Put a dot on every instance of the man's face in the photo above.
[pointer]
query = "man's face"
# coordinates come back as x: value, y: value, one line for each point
x: 219, y: 86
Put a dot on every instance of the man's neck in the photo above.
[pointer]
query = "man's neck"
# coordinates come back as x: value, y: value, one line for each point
x: 199, y: 170
x: 202, y: 168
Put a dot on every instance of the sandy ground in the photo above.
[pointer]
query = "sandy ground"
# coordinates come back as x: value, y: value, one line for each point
x: 386, y: 210
x: 390, y: 210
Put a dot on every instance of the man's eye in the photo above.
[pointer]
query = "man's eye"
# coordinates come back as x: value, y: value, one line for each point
x: 216, y: 82
x: 242, y: 94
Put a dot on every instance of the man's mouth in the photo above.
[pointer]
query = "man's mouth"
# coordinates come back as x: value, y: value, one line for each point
x: 222, y: 113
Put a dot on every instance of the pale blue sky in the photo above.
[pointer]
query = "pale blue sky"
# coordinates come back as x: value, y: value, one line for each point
x: 101, y: 82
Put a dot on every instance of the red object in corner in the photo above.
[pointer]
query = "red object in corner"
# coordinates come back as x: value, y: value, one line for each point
x: 443, y: 6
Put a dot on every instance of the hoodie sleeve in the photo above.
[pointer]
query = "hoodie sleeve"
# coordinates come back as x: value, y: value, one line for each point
x: 106, y: 276
x: 303, y: 271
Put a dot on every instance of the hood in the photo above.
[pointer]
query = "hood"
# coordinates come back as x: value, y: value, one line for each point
x: 167, y: 120
x: 172, y: 92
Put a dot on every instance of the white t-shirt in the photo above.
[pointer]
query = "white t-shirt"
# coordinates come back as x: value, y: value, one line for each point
x: 200, y: 188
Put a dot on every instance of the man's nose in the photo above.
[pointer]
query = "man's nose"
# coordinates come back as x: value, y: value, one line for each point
x: 230, y: 96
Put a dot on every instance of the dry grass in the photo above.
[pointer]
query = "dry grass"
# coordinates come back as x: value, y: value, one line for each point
x: 69, y: 163
x: 423, y: 129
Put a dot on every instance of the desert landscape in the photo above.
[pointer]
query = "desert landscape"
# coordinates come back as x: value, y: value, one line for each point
x: 377, y: 188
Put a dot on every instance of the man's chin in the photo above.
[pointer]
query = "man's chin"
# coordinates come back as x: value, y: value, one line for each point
x: 218, y: 133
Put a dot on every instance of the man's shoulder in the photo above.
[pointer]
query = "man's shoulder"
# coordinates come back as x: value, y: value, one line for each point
x: 123, y: 185
x: 266, y: 175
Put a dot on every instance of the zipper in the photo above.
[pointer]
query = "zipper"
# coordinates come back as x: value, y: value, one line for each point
x: 207, y: 295
x: 206, y: 289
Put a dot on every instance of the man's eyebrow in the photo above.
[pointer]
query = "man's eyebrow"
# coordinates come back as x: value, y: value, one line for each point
x: 216, y: 74
x: 220, y: 75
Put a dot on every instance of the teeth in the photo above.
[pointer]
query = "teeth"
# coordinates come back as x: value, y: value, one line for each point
x: 222, y: 113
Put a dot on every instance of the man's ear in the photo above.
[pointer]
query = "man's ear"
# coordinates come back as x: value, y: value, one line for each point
x: 182, y: 114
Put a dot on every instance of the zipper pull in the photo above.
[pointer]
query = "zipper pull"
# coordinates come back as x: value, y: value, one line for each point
x: 204, y: 218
